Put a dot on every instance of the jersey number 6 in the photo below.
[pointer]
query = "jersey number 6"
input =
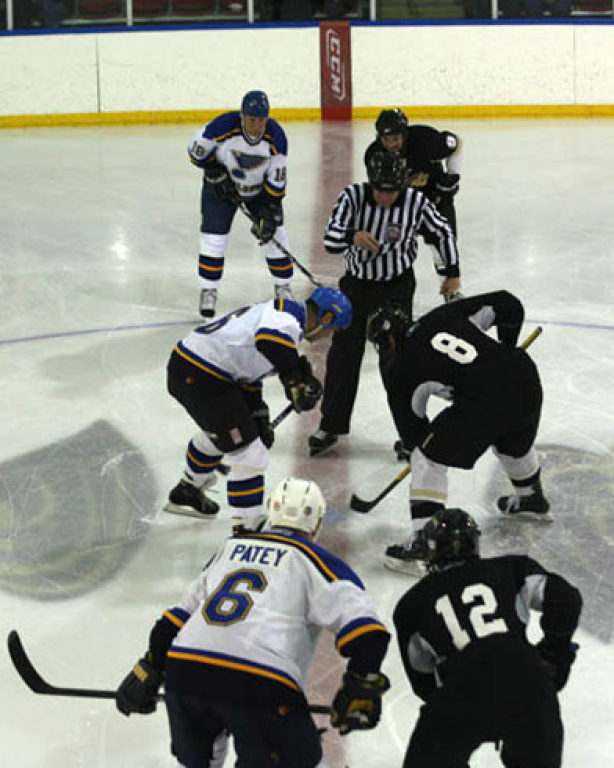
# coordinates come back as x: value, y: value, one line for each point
x: 231, y: 601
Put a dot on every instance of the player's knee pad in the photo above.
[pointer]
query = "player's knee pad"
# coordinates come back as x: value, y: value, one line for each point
x: 213, y: 245
x: 250, y: 460
x: 429, y: 480
x: 204, y: 445
x: 521, y: 467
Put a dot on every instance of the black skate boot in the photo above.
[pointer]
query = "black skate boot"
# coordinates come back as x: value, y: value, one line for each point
x: 321, y: 441
x: 408, y: 558
x: 533, y: 507
x: 187, y: 499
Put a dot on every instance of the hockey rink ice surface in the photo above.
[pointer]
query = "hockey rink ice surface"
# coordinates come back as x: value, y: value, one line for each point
x: 98, y: 247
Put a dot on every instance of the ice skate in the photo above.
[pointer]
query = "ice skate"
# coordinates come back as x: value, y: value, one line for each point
x: 186, y: 499
x: 208, y: 300
x: 408, y: 558
x: 532, y: 507
x: 283, y: 292
x: 321, y: 441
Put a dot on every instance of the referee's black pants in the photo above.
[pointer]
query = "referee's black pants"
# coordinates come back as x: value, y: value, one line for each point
x: 348, y: 346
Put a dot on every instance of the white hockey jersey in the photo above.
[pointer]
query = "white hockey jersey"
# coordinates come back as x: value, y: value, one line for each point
x: 252, y: 167
x: 258, y: 607
x: 248, y: 344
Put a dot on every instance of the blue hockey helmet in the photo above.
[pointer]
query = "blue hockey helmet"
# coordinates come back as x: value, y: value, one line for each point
x: 332, y: 300
x: 255, y: 104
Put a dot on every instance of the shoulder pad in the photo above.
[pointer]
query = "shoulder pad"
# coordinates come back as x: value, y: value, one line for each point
x: 222, y: 126
x: 276, y: 136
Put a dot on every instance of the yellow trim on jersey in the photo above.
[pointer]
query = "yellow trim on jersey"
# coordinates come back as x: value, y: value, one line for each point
x: 202, y: 366
x: 173, y: 619
x: 359, y: 631
x: 276, y: 339
x: 241, y: 667
x: 305, y: 547
x: 274, y: 192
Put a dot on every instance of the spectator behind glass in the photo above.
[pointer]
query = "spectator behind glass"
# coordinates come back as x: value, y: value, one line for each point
x: 534, y: 8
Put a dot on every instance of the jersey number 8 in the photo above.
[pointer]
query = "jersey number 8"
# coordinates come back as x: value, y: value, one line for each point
x: 456, y: 349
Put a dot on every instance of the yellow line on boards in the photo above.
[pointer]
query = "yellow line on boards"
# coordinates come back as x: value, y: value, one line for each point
x: 309, y: 114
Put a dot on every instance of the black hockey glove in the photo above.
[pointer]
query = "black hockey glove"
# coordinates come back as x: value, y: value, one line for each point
x: 302, y: 388
x: 262, y: 417
x: 219, y: 183
x: 357, y: 705
x: 138, y: 691
x: 403, y: 453
x: 557, y: 657
x: 266, y: 222
x: 448, y: 184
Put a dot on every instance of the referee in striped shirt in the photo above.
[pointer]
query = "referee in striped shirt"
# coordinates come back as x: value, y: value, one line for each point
x: 375, y: 225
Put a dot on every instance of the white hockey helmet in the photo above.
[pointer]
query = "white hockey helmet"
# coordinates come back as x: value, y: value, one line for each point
x: 298, y: 504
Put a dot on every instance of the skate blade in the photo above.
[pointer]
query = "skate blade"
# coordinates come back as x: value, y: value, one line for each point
x: 531, y: 517
x: 415, y: 568
x: 177, y: 509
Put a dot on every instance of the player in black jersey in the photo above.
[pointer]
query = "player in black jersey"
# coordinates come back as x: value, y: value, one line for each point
x: 495, y: 399
x: 432, y: 161
x: 462, y: 636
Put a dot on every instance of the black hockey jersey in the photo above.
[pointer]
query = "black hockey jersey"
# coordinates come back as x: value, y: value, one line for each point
x: 448, y: 617
x: 424, y: 150
x: 447, y: 353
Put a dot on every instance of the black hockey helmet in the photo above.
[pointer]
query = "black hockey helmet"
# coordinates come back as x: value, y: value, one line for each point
x: 450, y: 536
x: 386, y: 171
x: 390, y: 319
x: 391, y: 121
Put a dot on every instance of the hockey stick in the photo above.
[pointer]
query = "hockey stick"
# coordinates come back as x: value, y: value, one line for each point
x: 35, y: 682
x: 531, y: 337
x: 363, y: 506
x: 285, y: 251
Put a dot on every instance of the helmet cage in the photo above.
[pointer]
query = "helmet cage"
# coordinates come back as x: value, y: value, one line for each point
x: 450, y: 536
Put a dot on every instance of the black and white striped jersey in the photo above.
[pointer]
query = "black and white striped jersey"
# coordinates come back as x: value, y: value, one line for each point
x: 395, y: 228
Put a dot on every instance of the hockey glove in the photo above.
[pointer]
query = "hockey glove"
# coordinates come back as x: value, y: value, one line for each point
x: 448, y: 184
x: 262, y: 417
x: 358, y: 703
x: 557, y: 657
x: 138, y: 691
x: 266, y: 222
x: 403, y: 453
x: 219, y: 183
x: 302, y: 388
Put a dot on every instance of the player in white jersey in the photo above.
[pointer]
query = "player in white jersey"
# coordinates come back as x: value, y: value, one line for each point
x: 235, y: 652
x: 216, y: 373
x: 243, y: 155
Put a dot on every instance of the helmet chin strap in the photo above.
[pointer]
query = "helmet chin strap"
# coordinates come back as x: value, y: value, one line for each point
x: 313, y: 331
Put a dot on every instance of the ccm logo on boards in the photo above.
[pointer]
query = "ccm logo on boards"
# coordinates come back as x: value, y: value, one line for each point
x: 335, y: 65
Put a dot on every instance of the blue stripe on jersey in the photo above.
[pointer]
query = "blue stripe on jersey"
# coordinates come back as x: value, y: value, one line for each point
x: 205, y: 366
x: 357, y: 628
x: 223, y: 126
x: 329, y: 565
x: 231, y: 662
x: 177, y: 616
x: 274, y: 134
x: 294, y: 308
